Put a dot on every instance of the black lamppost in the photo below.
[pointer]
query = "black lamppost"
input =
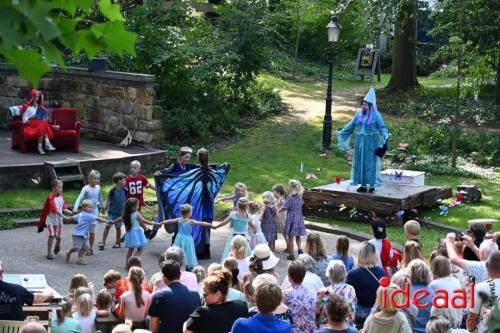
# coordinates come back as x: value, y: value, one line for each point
x: 333, y: 36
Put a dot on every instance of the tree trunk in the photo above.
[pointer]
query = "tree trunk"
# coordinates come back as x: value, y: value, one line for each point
x: 497, y: 82
x: 456, y: 116
x: 404, y: 57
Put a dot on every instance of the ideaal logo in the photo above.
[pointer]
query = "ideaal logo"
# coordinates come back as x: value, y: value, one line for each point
x: 441, y: 299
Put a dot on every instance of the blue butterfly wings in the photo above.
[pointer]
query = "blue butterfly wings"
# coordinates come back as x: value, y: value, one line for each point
x: 197, y: 187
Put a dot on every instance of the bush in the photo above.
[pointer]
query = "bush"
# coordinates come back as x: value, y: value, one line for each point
x: 431, y: 144
x: 438, y: 105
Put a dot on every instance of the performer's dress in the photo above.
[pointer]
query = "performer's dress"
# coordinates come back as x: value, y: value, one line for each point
x: 240, y: 227
x: 371, y: 133
x: 185, y: 241
x: 36, y: 124
x: 197, y: 187
x: 135, y: 238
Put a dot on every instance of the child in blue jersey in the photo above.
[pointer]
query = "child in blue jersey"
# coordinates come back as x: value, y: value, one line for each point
x: 92, y: 191
x: 114, y: 205
x: 85, y: 220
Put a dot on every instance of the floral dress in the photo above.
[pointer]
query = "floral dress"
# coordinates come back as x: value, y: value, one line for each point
x: 320, y: 266
x: 300, y: 301
x: 294, y: 223
x: 345, y: 291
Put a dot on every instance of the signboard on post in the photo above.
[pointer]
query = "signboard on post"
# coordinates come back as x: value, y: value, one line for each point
x: 367, y: 63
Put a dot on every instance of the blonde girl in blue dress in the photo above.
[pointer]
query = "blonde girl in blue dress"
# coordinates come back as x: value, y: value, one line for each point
x: 184, y: 239
x: 240, y: 220
x: 135, y: 240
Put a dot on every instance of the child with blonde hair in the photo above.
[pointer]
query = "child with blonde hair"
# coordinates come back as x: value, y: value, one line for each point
x: 279, y: 201
x: 294, y: 223
x: 255, y: 230
x: 240, y: 191
x: 239, y: 251
x: 136, y: 182
x: 85, y: 313
x: 240, y: 220
x: 268, y: 216
x: 91, y: 191
x: 85, y: 220
x: 184, y: 239
x: 412, y: 230
x: 388, y: 319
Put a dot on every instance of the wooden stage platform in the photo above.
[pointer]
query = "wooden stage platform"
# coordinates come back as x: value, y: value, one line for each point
x: 336, y: 200
x: 18, y: 170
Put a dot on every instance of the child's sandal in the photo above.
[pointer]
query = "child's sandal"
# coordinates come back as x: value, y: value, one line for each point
x: 116, y: 246
x: 57, y: 249
x: 90, y: 252
x: 100, y: 246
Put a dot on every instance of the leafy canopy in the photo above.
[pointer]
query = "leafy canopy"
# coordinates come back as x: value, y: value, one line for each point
x: 34, y: 33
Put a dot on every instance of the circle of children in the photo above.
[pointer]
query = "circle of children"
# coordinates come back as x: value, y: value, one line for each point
x: 383, y: 290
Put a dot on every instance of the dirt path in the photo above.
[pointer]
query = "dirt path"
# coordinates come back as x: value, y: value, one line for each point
x: 307, y: 106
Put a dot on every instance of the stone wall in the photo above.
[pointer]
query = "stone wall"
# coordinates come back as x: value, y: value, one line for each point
x: 107, y: 102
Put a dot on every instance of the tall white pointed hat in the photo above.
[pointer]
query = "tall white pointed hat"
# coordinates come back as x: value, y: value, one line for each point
x: 370, y: 96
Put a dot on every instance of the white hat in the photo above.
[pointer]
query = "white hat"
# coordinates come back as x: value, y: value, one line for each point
x: 265, y: 255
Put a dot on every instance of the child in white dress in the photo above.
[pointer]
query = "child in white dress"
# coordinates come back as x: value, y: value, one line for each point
x: 255, y: 231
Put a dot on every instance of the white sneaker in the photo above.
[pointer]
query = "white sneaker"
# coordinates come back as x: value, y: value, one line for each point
x: 40, y: 150
x: 49, y: 146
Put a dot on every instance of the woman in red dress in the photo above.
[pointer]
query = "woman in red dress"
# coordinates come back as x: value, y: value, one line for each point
x: 35, y: 118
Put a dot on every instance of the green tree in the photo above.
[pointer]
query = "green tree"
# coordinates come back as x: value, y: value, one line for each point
x: 34, y: 34
x: 477, y: 24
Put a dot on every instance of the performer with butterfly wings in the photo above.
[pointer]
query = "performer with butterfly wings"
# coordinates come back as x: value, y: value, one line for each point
x: 370, y: 145
x: 197, y: 187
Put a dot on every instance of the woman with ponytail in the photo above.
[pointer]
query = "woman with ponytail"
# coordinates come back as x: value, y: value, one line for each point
x: 219, y: 313
x: 134, y: 304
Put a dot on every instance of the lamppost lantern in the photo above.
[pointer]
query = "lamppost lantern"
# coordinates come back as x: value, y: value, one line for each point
x: 333, y: 29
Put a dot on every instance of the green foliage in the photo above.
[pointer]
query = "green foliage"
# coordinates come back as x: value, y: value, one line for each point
x: 205, y: 73
x: 431, y: 144
x: 34, y: 34
x: 437, y: 104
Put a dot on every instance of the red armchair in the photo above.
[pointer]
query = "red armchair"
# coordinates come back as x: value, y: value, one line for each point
x: 66, y: 137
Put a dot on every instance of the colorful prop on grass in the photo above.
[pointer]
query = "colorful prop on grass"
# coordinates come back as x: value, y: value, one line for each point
x: 36, y: 180
x: 455, y: 203
x: 414, y: 210
x: 400, y: 214
x: 338, y: 180
x: 311, y: 176
x: 328, y: 203
x: 444, y: 210
x: 460, y: 196
x: 353, y: 212
x: 301, y: 167
x: 342, y: 207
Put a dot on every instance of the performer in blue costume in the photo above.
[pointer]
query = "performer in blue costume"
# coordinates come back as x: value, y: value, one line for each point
x: 371, y: 135
x: 197, y: 187
x: 181, y: 166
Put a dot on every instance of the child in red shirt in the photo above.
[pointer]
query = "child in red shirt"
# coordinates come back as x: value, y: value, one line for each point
x: 135, y: 183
